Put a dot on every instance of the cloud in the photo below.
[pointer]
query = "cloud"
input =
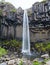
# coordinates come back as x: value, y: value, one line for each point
x: 22, y: 3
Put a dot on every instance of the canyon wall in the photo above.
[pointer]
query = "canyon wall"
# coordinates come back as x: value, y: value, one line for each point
x: 11, y: 21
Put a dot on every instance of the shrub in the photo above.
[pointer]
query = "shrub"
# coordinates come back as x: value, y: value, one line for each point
x: 41, y: 47
x: 15, y: 43
x: 11, y: 43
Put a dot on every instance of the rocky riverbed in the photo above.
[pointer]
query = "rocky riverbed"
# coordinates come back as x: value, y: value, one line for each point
x: 15, y: 61
x: 14, y: 58
x: 9, y: 56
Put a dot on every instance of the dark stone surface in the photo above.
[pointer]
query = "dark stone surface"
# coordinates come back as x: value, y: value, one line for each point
x: 39, y: 17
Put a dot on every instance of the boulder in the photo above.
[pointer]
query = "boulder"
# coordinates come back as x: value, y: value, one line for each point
x: 4, y: 63
x: 7, y: 59
x: 11, y: 62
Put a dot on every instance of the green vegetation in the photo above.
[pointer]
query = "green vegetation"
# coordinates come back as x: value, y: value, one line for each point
x: 43, y: 63
x: 43, y: 1
x: 2, y: 51
x: 2, y: 0
x: 39, y: 63
x: 15, y: 43
x: 48, y: 46
x: 45, y: 60
x: 40, y: 47
x: 0, y: 24
x: 36, y: 63
x: 43, y: 47
x: 21, y: 62
x: 9, y: 45
x: 1, y: 12
x: 13, y: 10
x: 12, y: 43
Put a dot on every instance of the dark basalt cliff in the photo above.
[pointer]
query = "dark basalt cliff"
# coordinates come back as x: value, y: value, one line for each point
x: 40, y: 14
x: 9, y: 12
x: 11, y: 20
x: 10, y: 17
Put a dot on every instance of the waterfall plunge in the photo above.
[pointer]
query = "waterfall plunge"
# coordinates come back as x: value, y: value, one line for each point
x: 26, y: 35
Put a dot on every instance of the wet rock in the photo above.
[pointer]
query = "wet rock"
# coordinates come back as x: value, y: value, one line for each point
x: 7, y: 59
x: 11, y: 62
x: 26, y: 62
x: 2, y: 59
x: 18, y: 60
x: 15, y: 53
x: 4, y: 63
x: 6, y: 56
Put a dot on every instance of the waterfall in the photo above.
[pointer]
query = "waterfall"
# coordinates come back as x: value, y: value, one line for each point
x: 26, y: 35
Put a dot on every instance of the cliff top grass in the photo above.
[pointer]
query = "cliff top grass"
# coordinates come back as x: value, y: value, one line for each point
x: 43, y: 1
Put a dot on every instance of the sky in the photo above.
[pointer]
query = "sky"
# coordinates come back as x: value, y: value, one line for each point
x: 23, y: 3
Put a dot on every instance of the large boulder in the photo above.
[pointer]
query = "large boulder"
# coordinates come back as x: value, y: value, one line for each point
x: 11, y: 62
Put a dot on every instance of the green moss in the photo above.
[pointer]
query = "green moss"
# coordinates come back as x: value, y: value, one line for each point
x: 2, y: 51
x: 21, y: 62
x: 36, y: 63
x: 1, y: 12
x: 13, y: 10
x: 43, y: 1
x: 7, y: 2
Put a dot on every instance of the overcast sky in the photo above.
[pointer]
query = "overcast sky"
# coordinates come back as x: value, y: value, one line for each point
x: 23, y: 3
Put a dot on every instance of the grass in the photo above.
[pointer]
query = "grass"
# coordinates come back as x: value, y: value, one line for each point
x: 36, y: 63
x: 21, y: 62
x: 2, y: 51
x: 41, y: 63
x: 46, y: 60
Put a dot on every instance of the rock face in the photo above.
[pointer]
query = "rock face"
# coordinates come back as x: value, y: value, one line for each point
x: 11, y: 20
x: 39, y: 21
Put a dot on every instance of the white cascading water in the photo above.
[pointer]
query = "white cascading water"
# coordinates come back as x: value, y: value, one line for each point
x: 26, y: 35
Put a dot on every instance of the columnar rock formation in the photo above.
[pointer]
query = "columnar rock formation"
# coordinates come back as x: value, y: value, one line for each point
x: 40, y: 21
x: 11, y: 20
